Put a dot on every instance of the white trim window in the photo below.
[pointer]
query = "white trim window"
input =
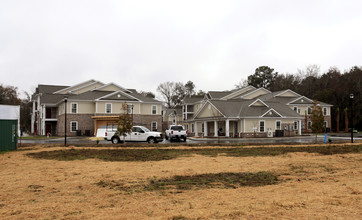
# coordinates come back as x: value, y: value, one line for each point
x: 202, y: 127
x: 278, y: 125
x: 74, y: 107
x: 295, y: 108
x: 261, y: 126
x: 154, y: 126
x: 295, y: 125
x: 309, y: 110
x: 309, y: 125
x: 324, y: 111
x: 154, y: 109
x: 130, y: 108
x: 108, y: 108
x: 325, y: 124
x: 192, y: 128
x: 73, y: 126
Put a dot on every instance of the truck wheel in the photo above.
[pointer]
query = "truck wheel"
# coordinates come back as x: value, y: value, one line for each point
x: 115, y: 140
x: 184, y: 139
x: 151, y: 140
x: 166, y: 137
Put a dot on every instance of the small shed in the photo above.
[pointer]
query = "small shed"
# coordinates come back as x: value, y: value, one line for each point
x: 9, y: 126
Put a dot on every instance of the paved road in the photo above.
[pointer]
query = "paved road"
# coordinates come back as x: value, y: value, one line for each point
x: 192, y: 140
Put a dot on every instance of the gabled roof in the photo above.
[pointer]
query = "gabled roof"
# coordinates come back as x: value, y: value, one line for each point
x: 218, y: 94
x: 51, y: 94
x: 208, y: 103
x: 281, y: 93
x: 271, y: 113
x: 238, y: 92
x: 301, y: 100
x: 254, y: 104
x: 86, y: 86
x: 118, y: 95
x: 193, y: 99
x: 254, y: 91
x: 70, y: 88
x: 245, y: 109
x: 103, y: 88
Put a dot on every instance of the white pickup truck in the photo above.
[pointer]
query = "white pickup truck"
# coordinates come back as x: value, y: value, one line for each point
x: 177, y: 132
x: 139, y: 133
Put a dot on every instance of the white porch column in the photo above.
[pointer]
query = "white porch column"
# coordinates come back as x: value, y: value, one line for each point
x: 227, y: 128
x: 241, y: 127
x: 215, y: 129
x: 43, y: 120
x: 33, y: 118
x: 205, y: 128
x: 300, y: 127
x: 196, y: 129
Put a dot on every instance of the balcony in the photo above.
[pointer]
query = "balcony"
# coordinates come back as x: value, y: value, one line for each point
x: 51, y: 114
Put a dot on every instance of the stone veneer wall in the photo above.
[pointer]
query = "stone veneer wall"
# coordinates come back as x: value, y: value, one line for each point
x: 85, y: 122
x: 146, y: 120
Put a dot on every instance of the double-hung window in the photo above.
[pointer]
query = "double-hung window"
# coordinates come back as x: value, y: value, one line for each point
x: 262, y: 126
x: 108, y: 108
x: 74, y: 107
x: 154, y: 126
x: 278, y: 125
x: 73, y: 126
x: 154, y: 109
x: 130, y: 108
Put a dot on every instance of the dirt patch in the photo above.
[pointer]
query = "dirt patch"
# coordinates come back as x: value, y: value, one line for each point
x: 312, y: 186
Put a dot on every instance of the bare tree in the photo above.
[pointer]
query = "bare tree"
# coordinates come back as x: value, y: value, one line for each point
x: 167, y: 91
x: 243, y: 83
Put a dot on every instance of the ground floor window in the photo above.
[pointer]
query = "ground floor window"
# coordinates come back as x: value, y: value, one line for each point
x: 309, y: 125
x: 295, y: 125
x: 278, y: 125
x: 154, y: 126
x: 192, y: 128
x: 202, y: 127
x: 73, y: 126
x: 325, y: 124
x: 262, y: 126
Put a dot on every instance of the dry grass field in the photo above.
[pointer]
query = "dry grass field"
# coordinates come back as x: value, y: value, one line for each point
x: 310, y: 186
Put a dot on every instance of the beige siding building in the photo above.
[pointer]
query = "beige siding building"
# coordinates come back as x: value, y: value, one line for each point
x: 91, y: 107
x: 250, y: 112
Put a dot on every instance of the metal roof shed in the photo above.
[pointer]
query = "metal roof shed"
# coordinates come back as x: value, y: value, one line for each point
x: 9, y: 126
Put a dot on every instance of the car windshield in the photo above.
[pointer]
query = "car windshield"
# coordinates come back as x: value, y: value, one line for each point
x: 176, y: 128
x: 145, y: 129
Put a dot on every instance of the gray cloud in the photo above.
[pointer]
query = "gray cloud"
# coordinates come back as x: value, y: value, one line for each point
x: 141, y: 44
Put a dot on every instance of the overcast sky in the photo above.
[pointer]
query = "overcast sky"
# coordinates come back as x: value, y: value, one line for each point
x: 140, y: 44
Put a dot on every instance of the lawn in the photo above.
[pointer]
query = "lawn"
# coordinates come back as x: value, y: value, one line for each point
x: 249, y: 182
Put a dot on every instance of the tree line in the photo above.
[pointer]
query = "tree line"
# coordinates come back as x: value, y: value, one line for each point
x: 333, y: 87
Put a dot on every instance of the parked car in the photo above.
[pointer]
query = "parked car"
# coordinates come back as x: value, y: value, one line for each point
x: 176, y: 132
x: 138, y: 134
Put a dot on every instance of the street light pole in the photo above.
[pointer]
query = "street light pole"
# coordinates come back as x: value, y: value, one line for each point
x: 65, y: 120
x: 351, y: 120
x: 132, y: 115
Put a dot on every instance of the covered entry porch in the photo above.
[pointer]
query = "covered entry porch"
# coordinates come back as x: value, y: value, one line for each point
x: 251, y: 127
x: 217, y: 128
